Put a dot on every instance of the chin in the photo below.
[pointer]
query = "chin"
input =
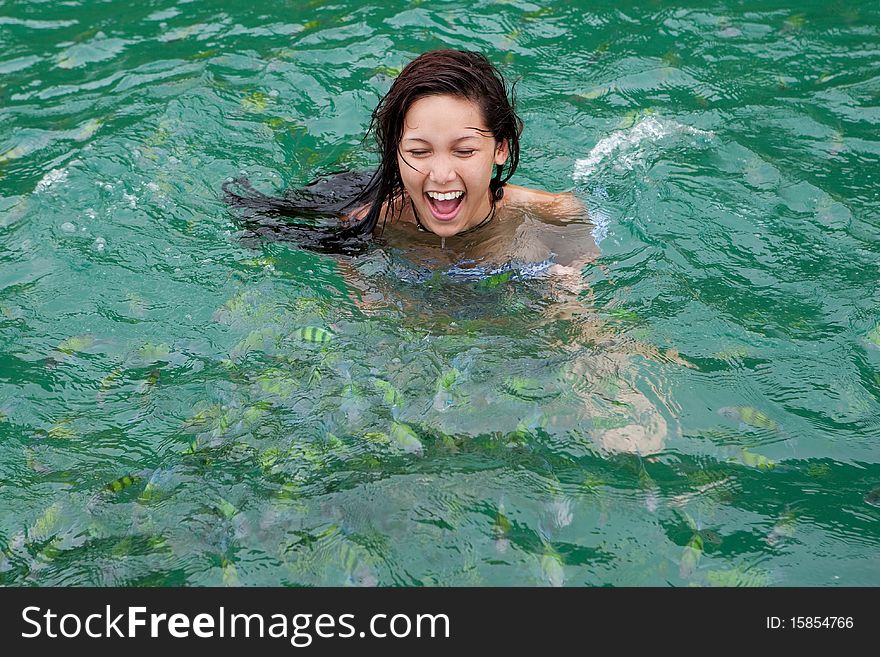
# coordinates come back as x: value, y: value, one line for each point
x: 458, y: 224
x: 445, y: 229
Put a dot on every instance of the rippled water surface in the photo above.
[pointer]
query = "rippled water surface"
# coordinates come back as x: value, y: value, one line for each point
x: 181, y: 406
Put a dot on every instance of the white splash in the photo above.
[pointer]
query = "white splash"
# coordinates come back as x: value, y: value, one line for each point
x: 598, y: 216
x: 627, y: 143
x: 54, y: 177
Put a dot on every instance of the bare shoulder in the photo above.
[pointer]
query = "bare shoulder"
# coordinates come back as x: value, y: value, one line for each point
x: 561, y: 205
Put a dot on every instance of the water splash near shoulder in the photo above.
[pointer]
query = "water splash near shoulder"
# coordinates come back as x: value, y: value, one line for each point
x: 627, y: 145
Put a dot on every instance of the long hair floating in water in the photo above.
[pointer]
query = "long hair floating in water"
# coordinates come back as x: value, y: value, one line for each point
x: 463, y: 74
x: 308, y: 215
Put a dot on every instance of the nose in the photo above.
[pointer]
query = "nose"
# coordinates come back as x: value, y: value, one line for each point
x: 442, y: 170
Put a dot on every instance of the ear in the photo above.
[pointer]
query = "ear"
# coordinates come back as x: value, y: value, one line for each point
x: 501, y: 152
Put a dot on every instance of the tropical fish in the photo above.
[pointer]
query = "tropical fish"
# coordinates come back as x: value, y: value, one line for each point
x: 203, y: 415
x: 387, y: 71
x: 269, y: 457
x: 150, y: 352
x: 315, y: 375
x: 75, y: 343
x: 623, y: 314
x: 501, y: 527
x: 14, y: 153
x: 494, y: 280
x: 354, y: 561
x: 873, y: 336
x: 226, y: 508
x: 256, y: 101
x: 276, y: 382
x: 690, y: 557
x: 377, y: 437
x: 405, y: 438
x: 151, y: 380
x: 10, y: 313
x: 85, y: 130
x: 754, y: 460
x: 252, y: 414
x: 873, y: 497
x: 391, y: 396
x: 158, y: 485
x: 443, y: 399
x: 671, y: 58
x: 60, y: 430
x: 552, y: 569
x: 257, y: 340
x: 259, y: 262
x: 122, y: 483
x: 647, y: 484
x: 448, y: 378
x: 519, y: 437
x: 46, y: 525
x: 524, y: 388
x: 783, y: 529
x: 106, y: 383
x: 558, y: 513
x: 819, y: 470
x: 353, y: 404
x: 314, y: 334
x: 593, y: 485
x: 33, y: 462
x: 443, y: 442
x: 333, y: 441
x: 230, y: 574
x: 751, y: 577
x: 733, y: 353
x: 749, y: 417
x: 793, y: 23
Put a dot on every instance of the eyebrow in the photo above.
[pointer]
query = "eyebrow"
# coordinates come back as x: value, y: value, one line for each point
x: 425, y: 141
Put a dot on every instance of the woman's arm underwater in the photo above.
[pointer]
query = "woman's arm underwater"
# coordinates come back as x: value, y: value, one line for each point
x: 602, y: 369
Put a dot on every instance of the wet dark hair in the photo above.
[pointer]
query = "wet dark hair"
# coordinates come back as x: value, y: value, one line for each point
x: 464, y: 74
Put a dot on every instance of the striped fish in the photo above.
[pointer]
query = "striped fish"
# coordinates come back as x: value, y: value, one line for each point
x: 313, y: 334
x: 122, y: 483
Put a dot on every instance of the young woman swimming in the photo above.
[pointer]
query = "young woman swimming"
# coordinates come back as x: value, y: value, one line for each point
x: 448, y: 140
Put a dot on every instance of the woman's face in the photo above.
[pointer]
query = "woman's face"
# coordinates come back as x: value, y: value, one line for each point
x: 446, y: 156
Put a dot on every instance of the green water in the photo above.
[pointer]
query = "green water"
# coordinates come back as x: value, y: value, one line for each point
x: 165, y: 419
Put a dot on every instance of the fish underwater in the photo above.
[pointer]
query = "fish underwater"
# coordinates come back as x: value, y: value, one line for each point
x: 873, y: 497
x: 783, y: 529
x: 552, y: 571
x: 314, y: 334
x: 690, y: 557
x: 749, y: 418
x: 501, y: 527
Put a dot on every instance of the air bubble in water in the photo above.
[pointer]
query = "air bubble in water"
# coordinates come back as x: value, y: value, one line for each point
x: 68, y: 227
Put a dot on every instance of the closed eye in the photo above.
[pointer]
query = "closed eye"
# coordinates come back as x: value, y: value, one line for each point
x: 466, y: 153
x: 417, y: 153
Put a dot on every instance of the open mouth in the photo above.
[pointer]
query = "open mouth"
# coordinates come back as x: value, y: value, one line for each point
x: 445, y: 207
